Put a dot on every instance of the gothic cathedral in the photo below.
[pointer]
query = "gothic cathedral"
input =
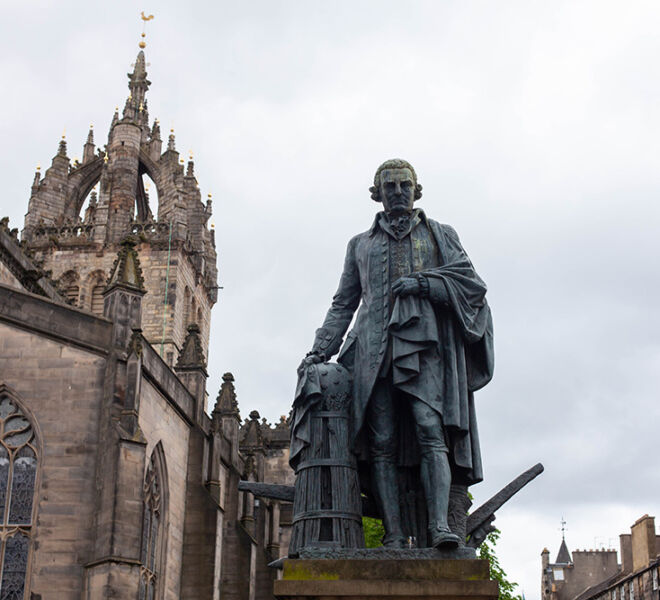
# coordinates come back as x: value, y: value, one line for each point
x: 115, y: 482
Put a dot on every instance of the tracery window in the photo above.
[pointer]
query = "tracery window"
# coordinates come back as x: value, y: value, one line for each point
x: 153, y: 528
x: 18, y: 472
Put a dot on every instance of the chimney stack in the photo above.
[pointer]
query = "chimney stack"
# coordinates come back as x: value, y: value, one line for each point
x: 643, y: 542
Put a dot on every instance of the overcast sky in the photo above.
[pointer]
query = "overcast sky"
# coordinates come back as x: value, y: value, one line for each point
x: 534, y: 128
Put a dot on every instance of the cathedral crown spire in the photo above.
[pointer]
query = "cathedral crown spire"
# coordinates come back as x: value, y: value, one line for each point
x: 77, y: 235
x: 138, y: 84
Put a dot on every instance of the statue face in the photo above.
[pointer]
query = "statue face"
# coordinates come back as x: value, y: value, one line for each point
x: 397, y: 190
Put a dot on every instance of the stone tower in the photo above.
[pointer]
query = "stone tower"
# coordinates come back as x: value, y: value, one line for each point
x: 75, y: 232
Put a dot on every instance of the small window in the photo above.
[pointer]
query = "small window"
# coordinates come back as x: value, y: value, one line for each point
x: 97, y: 299
x: 614, y: 594
x: 631, y: 590
x: 558, y: 574
x: 71, y: 293
x: 655, y: 578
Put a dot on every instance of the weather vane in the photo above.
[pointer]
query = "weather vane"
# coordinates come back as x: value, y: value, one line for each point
x: 144, y: 18
x: 563, y: 527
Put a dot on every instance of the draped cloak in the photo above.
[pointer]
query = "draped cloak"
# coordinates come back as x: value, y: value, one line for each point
x: 440, y: 347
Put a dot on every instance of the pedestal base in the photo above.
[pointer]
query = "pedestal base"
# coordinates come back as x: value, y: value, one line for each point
x: 376, y: 579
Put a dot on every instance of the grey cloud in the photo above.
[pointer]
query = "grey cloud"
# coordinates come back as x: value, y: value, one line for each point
x: 534, y: 130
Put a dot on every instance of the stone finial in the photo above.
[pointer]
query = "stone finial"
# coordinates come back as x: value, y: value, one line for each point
x: 192, y: 353
x: 190, y: 171
x: 226, y: 403
x: 89, y: 148
x: 171, y: 144
x: 251, y: 435
x: 155, y: 131
x: 128, y: 107
x: 91, y: 207
x: 126, y: 269
x: 61, y: 151
x: 115, y: 119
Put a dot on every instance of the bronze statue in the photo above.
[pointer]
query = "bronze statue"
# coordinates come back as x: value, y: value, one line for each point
x: 422, y: 343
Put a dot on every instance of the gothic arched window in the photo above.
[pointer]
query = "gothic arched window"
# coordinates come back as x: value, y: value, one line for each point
x: 154, y: 528
x: 97, y: 299
x: 70, y: 283
x: 95, y: 287
x: 18, y: 474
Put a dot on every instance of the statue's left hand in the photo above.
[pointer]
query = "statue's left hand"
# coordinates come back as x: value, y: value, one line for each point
x: 406, y: 286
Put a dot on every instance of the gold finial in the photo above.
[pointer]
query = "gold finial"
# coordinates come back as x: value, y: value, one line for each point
x: 105, y: 158
x: 141, y: 107
x: 116, y: 109
x: 38, y: 167
x: 181, y: 160
x: 91, y: 125
x: 210, y: 196
x: 212, y: 225
x: 144, y: 18
x: 63, y: 134
x: 190, y: 154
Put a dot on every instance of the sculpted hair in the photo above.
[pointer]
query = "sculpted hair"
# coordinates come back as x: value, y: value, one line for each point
x: 394, y: 163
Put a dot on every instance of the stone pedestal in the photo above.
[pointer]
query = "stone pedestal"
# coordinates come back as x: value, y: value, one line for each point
x: 355, y: 579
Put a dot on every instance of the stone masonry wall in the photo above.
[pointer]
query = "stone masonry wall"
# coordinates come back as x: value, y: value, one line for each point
x: 160, y: 422
x: 62, y: 387
x: 93, y: 267
x: 277, y: 470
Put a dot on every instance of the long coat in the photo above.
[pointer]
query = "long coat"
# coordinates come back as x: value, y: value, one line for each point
x: 459, y: 361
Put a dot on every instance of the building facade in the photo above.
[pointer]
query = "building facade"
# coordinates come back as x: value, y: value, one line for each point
x: 115, y: 482
x: 597, y: 574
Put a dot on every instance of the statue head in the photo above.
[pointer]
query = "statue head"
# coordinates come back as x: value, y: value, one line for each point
x: 395, y: 185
